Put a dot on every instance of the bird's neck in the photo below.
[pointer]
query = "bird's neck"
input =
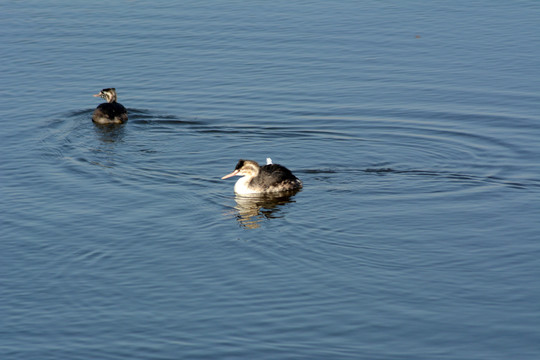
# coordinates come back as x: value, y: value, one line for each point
x: 111, y: 98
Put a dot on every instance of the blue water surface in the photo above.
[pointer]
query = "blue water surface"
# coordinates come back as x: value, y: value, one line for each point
x: 413, y: 125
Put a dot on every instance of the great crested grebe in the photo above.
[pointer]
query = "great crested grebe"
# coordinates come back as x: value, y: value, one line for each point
x: 270, y: 178
x: 110, y: 112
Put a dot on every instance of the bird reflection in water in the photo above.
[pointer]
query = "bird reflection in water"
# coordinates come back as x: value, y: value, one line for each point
x: 105, y: 151
x: 253, y: 210
x: 109, y: 133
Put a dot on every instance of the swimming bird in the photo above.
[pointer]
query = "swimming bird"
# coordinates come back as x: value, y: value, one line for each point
x: 110, y: 112
x: 271, y: 178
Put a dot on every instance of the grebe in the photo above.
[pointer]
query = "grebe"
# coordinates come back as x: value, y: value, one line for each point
x: 270, y: 178
x: 110, y: 112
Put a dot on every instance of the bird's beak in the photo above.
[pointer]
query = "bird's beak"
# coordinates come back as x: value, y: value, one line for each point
x: 230, y: 175
x: 96, y: 95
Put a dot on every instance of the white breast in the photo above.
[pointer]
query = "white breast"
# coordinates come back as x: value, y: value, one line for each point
x: 241, y: 186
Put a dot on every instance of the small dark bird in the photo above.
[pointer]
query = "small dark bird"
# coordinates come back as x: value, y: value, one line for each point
x: 270, y: 178
x: 109, y: 112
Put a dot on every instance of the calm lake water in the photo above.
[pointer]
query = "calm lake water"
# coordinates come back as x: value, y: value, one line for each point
x: 413, y: 125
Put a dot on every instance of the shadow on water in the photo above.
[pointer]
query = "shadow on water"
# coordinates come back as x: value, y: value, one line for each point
x: 251, y: 211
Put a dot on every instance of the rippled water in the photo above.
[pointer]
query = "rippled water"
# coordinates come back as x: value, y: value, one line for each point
x: 414, y: 127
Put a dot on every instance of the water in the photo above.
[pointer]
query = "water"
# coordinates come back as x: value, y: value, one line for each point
x: 413, y: 125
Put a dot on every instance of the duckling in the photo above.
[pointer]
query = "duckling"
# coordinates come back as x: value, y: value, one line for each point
x: 110, y: 112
